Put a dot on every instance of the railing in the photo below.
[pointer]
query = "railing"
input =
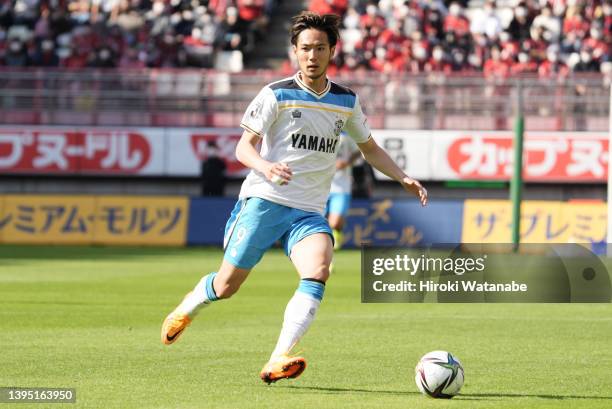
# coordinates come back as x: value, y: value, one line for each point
x: 210, y: 98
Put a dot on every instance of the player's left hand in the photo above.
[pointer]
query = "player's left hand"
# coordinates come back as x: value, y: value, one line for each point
x: 413, y: 186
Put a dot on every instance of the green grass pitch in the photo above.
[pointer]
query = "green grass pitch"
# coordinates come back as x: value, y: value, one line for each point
x: 89, y: 318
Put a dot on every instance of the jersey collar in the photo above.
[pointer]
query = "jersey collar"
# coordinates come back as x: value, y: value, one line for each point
x: 318, y: 95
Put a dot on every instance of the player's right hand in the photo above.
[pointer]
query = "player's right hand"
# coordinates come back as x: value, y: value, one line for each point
x: 279, y: 170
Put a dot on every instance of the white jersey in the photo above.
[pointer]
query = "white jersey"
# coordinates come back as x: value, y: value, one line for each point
x: 301, y: 128
x: 341, y: 183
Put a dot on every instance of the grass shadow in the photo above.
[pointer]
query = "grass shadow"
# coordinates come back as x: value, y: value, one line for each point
x: 463, y: 396
x: 346, y: 390
x: 534, y: 395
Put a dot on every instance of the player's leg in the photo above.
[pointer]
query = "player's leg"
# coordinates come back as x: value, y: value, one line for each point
x: 311, y: 257
x: 336, y: 222
x: 310, y: 248
x: 212, y: 287
x: 252, y: 228
x: 338, y: 207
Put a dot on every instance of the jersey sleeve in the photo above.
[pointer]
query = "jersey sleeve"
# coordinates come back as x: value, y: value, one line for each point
x: 357, y: 125
x: 261, y: 113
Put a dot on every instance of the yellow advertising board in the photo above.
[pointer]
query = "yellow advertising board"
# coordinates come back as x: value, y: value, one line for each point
x: 47, y: 219
x: 62, y: 219
x: 146, y: 220
x: 490, y: 221
x: 3, y: 220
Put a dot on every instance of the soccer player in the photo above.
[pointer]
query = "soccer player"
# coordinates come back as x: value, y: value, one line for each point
x: 340, y: 194
x: 299, y: 120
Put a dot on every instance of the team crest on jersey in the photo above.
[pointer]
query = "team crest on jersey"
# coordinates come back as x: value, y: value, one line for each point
x: 296, y: 114
x: 338, y: 127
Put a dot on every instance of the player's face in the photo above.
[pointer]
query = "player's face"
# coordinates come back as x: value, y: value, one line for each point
x: 313, y: 53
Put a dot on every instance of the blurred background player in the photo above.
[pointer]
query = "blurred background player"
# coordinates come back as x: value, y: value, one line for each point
x: 340, y: 194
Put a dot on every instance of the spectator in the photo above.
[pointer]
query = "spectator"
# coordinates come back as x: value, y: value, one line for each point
x: 520, y: 25
x: 133, y: 58
x: 393, y: 40
x: 575, y: 23
x: 412, y: 18
x: 455, y: 22
x: 103, y: 58
x: 16, y: 54
x: 438, y: 61
x: 552, y: 66
x: 570, y: 44
x: 535, y: 46
x: 550, y: 25
x: 495, y: 66
x: 419, y: 53
x: 45, y: 55
x: 42, y: 29
x: 338, y: 7
x: 586, y: 63
x: 486, y: 21
x: 380, y: 62
x: 233, y: 34
x: 525, y: 65
x: 596, y: 43
x: 458, y: 60
x: 371, y: 19
x: 252, y: 13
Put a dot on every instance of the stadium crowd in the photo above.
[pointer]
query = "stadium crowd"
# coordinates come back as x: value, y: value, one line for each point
x: 547, y: 37
x: 501, y: 38
x: 127, y: 33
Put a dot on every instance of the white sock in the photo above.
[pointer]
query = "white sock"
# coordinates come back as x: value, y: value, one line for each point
x: 299, y: 314
x: 200, y: 297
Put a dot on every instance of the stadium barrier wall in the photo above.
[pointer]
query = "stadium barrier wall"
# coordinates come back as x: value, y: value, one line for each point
x: 553, y: 157
x: 377, y: 222
x: 180, y: 220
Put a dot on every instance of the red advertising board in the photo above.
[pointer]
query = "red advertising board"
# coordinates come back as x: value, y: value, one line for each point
x: 74, y: 151
x: 428, y: 155
x: 547, y: 157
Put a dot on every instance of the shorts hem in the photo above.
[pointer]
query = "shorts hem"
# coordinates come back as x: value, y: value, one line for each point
x: 310, y: 233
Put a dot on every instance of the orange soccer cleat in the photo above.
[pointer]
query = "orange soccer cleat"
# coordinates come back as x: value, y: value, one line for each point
x: 282, y: 367
x: 174, y: 325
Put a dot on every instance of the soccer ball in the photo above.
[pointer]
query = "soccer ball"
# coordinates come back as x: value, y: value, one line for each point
x: 439, y: 374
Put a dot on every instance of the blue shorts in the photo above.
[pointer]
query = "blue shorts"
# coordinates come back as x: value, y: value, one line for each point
x: 338, y: 203
x: 256, y: 224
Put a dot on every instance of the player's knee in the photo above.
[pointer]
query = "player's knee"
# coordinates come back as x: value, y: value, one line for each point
x: 336, y: 222
x: 321, y: 273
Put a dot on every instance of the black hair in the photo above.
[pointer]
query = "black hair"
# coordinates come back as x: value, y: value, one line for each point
x: 328, y: 23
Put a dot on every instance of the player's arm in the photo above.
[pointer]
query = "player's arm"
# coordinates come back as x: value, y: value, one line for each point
x: 377, y: 157
x: 248, y: 155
